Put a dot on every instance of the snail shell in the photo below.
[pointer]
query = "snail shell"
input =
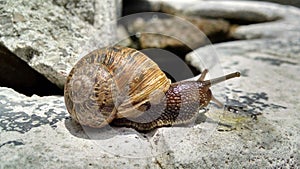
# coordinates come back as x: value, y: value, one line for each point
x: 112, y: 82
x: 123, y: 87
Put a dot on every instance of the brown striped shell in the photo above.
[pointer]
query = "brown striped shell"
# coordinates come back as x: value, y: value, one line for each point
x: 112, y: 82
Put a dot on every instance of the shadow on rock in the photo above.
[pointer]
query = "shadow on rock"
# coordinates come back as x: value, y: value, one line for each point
x: 103, y: 133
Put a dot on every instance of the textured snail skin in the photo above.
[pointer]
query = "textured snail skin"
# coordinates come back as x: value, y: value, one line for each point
x: 181, y: 106
x: 121, y: 86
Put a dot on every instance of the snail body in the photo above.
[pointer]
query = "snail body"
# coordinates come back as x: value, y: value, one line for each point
x: 123, y: 87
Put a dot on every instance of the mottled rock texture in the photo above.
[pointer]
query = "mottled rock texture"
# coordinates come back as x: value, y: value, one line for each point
x: 259, y: 129
x: 52, y: 35
x: 178, y: 32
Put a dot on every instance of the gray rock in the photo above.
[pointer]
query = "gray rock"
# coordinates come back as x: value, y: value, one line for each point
x: 267, y: 65
x: 283, y: 2
x: 85, y: 9
x: 247, y: 11
x: 160, y: 32
x: 232, y: 10
x: 36, y: 132
x: 272, y: 19
x: 51, y: 38
x: 278, y: 28
x: 272, y: 141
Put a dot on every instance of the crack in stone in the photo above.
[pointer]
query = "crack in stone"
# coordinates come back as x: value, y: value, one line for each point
x: 13, y: 142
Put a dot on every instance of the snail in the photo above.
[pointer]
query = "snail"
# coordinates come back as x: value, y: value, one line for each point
x: 121, y: 86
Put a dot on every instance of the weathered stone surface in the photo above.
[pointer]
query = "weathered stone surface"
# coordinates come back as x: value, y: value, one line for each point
x: 174, y: 32
x: 37, y: 132
x: 84, y: 9
x: 267, y: 65
x: 51, y: 38
x: 34, y: 134
x: 275, y: 16
x: 284, y: 2
x: 232, y: 10
x: 263, y: 87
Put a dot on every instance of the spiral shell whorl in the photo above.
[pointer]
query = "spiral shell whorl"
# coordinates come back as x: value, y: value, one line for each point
x: 110, y: 83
